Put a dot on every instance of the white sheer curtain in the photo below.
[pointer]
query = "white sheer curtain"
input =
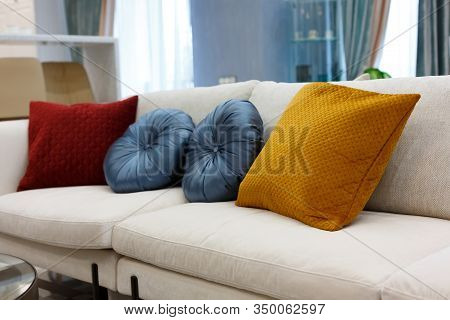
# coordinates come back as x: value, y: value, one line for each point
x: 399, y: 55
x: 155, y: 45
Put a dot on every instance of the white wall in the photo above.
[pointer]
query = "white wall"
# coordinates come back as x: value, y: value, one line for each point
x: 17, y: 16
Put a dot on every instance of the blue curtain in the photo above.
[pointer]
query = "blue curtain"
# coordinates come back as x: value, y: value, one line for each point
x: 433, y: 38
x: 364, y: 26
x: 356, y: 29
x: 83, y: 18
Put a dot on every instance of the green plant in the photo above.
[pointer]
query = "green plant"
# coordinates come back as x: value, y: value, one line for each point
x: 375, y: 73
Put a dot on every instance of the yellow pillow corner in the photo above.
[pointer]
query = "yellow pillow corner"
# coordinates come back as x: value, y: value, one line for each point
x: 327, y: 154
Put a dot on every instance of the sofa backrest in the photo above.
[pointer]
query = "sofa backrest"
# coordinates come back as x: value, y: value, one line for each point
x: 197, y: 102
x: 417, y: 179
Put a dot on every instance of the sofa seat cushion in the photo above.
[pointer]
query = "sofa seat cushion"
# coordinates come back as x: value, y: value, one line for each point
x: 76, y: 217
x: 428, y: 278
x: 269, y: 254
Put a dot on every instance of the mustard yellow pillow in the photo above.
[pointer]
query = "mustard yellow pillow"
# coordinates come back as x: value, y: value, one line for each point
x: 327, y: 154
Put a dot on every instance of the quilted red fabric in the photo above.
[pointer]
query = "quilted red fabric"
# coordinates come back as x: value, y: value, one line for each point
x: 67, y: 144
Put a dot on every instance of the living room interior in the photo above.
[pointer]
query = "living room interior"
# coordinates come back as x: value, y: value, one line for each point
x: 224, y: 149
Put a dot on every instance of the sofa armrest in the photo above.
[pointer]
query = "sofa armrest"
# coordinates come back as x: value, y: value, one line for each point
x: 13, y: 154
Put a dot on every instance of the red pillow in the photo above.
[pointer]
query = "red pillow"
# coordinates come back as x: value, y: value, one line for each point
x: 67, y: 144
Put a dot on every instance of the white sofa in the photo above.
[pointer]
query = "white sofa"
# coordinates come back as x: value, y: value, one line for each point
x: 398, y: 248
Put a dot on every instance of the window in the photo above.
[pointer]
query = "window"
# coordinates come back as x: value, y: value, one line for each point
x: 399, y: 53
x: 155, y: 45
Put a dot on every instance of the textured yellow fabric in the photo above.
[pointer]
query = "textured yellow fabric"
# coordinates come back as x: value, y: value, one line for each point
x: 327, y: 154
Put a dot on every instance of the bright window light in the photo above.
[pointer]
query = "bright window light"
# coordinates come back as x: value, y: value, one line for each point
x: 399, y: 53
x: 155, y: 45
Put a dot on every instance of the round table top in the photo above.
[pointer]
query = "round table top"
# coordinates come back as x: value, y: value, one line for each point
x: 17, y: 277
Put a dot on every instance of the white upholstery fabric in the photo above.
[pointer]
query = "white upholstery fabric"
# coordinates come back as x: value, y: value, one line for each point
x: 266, y: 253
x: 271, y: 98
x: 70, y: 262
x: 160, y: 284
x: 428, y: 278
x: 197, y: 102
x: 13, y: 154
x: 76, y: 217
x: 417, y: 179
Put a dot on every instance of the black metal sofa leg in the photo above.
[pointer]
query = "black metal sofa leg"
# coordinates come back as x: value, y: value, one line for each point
x: 134, y: 288
x: 98, y: 292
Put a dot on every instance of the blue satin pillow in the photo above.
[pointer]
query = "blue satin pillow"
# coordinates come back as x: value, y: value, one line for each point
x: 150, y: 153
x: 221, y: 150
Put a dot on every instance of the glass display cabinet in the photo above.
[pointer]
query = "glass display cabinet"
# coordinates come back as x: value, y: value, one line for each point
x: 317, y: 49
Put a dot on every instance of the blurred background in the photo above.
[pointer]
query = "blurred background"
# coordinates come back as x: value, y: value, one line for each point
x: 147, y: 45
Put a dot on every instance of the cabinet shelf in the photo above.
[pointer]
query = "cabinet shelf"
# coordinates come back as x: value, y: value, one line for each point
x: 317, y: 48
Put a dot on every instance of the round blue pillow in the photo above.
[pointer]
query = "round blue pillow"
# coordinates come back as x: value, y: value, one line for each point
x: 150, y: 153
x: 221, y: 150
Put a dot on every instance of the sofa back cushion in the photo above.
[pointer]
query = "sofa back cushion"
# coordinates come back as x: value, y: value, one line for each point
x: 417, y: 179
x: 197, y: 102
